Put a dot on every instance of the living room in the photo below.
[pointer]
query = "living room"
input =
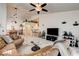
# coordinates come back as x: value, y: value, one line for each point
x: 40, y: 29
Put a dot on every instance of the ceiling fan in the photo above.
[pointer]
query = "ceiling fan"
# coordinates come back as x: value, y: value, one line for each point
x: 76, y: 23
x: 38, y: 7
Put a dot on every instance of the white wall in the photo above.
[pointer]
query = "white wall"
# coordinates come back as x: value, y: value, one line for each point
x: 3, y: 15
x: 21, y: 14
x: 54, y: 20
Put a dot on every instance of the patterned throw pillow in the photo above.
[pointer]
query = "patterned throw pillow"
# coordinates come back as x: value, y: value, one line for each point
x: 14, y: 36
x: 2, y: 43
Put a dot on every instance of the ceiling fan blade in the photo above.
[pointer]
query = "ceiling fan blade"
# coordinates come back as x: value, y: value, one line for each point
x: 32, y: 5
x: 32, y: 10
x: 45, y: 10
x: 43, y: 5
x: 38, y: 12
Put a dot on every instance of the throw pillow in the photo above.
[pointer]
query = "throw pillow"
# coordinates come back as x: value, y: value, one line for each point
x: 14, y: 36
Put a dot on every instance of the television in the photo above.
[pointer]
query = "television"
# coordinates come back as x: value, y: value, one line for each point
x: 52, y: 31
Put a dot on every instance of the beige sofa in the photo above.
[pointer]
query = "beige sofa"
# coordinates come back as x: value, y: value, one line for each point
x: 11, y: 49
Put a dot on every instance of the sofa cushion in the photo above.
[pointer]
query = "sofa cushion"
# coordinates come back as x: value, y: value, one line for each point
x: 12, y: 52
x: 18, y: 42
x: 8, y: 47
x: 2, y: 43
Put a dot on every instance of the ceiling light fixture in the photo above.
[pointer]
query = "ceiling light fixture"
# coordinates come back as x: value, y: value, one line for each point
x: 38, y: 7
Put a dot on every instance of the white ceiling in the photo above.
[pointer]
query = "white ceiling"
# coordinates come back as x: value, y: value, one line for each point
x: 51, y: 7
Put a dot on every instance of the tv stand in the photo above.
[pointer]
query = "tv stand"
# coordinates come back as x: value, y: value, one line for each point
x: 51, y: 37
